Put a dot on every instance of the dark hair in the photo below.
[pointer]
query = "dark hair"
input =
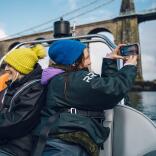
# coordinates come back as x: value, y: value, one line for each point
x: 68, y: 69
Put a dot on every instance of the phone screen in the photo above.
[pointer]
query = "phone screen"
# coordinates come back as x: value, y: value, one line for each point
x: 127, y: 50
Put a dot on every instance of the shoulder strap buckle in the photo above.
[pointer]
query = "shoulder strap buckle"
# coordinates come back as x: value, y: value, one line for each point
x: 73, y: 110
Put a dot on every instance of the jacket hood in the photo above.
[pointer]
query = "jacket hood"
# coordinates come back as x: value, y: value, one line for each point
x: 49, y: 73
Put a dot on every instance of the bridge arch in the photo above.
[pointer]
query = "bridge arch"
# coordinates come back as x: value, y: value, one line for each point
x: 98, y: 30
x: 40, y: 38
x: 105, y: 32
x: 13, y: 45
x: 147, y: 43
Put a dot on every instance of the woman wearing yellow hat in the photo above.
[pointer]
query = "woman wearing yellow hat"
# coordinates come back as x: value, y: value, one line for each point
x: 22, y: 100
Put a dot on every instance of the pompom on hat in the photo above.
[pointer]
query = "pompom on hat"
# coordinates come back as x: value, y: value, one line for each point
x: 66, y: 52
x: 24, y: 59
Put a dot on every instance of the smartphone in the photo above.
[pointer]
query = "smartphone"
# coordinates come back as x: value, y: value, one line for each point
x: 130, y: 49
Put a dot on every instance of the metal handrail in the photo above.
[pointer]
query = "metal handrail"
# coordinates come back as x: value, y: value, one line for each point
x: 107, y: 41
x: 85, y: 39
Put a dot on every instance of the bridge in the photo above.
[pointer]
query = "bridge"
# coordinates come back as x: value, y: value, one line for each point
x: 124, y: 28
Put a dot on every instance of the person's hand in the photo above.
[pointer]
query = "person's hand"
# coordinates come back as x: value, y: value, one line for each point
x: 116, y: 53
x: 131, y: 60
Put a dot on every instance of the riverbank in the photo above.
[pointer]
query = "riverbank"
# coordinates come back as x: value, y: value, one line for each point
x: 144, y: 86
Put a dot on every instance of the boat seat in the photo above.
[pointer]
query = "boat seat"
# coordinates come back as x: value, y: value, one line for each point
x: 132, y: 133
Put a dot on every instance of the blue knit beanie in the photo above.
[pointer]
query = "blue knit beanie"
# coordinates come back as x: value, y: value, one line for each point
x: 66, y: 52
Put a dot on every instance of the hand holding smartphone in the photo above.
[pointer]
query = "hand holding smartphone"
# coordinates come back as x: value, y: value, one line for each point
x: 130, y: 53
x: 130, y: 49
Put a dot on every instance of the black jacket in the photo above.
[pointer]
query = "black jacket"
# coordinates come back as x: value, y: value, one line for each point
x: 19, y: 119
x: 86, y: 91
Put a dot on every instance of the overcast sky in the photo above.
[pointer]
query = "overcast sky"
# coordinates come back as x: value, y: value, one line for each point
x: 18, y: 15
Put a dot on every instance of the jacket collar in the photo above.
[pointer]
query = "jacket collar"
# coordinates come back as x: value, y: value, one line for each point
x: 35, y: 74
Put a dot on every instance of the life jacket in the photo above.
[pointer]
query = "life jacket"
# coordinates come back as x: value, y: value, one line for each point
x: 48, y: 128
x: 3, y: 79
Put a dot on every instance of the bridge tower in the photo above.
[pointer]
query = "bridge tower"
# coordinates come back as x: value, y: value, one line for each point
x: 128, y: 29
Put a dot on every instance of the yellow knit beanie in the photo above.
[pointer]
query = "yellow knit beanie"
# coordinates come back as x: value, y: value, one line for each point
x: 24, y: 59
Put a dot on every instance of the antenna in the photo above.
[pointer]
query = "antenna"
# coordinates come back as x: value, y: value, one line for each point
x: 74, y: 29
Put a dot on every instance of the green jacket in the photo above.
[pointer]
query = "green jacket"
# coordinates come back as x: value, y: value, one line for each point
x: 86, y: 91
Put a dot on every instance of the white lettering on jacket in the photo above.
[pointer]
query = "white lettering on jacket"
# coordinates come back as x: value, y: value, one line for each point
x: 89, y: 76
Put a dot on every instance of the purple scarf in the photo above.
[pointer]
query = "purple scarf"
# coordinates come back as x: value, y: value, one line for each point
x: 49, y: 73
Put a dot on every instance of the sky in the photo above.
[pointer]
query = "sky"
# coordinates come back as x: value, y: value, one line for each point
x: 18, y: 15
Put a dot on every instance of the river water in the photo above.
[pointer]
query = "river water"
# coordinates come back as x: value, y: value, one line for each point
x: 144, y: 102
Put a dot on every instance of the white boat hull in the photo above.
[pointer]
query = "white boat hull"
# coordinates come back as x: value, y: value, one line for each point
x: 132, y: 133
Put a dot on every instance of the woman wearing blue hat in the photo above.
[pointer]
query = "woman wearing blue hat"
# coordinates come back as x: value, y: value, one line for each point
x: 76, y: 98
